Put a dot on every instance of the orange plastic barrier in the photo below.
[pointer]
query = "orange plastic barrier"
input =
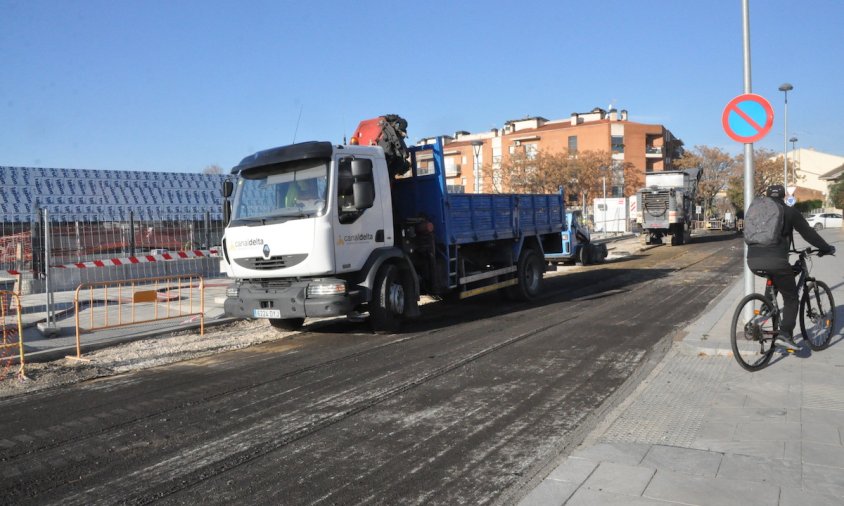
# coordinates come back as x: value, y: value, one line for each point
x: 10, y: 304
x: 114, y: 304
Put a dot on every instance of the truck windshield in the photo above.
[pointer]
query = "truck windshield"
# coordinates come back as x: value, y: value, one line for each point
x: 282, y: 191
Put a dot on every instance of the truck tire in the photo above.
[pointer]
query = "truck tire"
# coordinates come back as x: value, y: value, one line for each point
x: 287, y: 324
x: 529, y: 272
x: 389, y: 299
x: 585, y: 255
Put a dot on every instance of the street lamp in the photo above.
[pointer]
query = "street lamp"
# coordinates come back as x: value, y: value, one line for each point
x: 793, y: 141
x: 476, y: 147
x: 785, y: 88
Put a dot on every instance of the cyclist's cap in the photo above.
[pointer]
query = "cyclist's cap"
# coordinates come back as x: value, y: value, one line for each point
x: 775, y: 191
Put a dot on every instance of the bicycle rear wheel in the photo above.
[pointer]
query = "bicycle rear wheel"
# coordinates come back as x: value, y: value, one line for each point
x: 817, y: 315
x: 752, y: 334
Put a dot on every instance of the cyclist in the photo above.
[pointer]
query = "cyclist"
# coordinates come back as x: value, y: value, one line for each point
x: 774, y: 261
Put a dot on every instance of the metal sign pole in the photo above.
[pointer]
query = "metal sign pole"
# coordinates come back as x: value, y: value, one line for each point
x: 748, y: 147
x: 48, y: 327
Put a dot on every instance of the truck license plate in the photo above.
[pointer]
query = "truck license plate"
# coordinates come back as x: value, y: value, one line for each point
x: 266, y: 313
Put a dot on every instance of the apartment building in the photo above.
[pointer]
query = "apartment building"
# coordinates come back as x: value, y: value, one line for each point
x: 813, y: 169
x: 648, y: 148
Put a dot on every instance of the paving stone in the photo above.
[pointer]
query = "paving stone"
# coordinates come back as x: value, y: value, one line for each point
x: 573, y: 470
x: 771, y: 471
x: 548, y: 493
x: 768, y: 432
x: 620, y: 479
x: 798, y: 497
x: 745, y: 414
x: 620, y: 453
x: 793, y: 451
x: 705, y: 491
x: 820, y: 432
x: 763, y: 449
x: 589, y: 497
x: 823, y: 479
x: 683, y: 460
x: 827, y: 416
x: 823, y: 454
x: 719, y: 431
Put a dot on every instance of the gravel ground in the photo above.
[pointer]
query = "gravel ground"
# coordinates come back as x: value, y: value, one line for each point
x: 137, y: 355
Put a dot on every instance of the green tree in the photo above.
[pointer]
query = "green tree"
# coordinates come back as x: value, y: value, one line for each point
x: 836, y: 194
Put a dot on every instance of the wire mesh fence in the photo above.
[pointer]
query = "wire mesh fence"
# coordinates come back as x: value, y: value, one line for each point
x: 140, y: 223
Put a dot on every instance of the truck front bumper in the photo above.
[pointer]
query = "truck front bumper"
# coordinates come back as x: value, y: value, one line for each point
x: 256, y: 301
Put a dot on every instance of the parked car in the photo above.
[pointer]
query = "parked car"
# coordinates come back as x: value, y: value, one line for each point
x: 825, y: 220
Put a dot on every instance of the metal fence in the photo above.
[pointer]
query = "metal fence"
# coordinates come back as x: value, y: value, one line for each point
x: 136, y: 224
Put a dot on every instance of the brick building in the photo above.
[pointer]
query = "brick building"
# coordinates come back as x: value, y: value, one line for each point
x: 648, y: 147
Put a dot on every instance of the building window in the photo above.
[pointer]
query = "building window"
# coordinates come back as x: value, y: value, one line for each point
x: 572, y: 144
x: 617, y: 143
x: 531, y: 150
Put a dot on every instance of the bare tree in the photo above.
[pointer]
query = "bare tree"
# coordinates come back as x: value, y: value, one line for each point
x: 213, y: 169
x: 716, y: 166
x: 767, y: 170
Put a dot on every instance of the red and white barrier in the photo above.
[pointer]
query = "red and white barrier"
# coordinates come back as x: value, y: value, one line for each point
x: 111, y: 262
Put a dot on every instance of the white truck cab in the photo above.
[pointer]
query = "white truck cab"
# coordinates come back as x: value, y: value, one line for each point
x: 301, y: 217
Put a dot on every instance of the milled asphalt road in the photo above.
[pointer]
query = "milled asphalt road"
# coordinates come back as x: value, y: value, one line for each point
x: 469, y: 405
x: 702, y: 431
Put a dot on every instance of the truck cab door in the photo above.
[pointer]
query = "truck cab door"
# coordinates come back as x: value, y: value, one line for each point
x: 363, y: 220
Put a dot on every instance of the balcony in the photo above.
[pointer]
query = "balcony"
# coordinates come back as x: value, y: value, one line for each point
x: 653, y: 151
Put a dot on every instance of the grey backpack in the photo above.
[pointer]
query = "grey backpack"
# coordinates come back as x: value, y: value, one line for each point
x: 763, y: 222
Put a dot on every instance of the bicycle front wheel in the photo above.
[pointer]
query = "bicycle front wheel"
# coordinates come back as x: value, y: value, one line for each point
x: 754, y: 327
x: 817, y: 315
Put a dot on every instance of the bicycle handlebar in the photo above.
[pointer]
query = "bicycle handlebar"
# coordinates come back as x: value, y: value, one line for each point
x: 808, y: 251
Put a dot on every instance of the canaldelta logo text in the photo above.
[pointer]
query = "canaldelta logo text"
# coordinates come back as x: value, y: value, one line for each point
x: 248, y: 242
x: 362, y: 237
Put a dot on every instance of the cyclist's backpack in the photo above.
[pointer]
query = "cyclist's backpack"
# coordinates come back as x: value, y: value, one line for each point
x: 763, y: 222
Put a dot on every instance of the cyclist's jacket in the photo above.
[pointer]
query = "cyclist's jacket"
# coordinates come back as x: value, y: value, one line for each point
x: 776, y: 257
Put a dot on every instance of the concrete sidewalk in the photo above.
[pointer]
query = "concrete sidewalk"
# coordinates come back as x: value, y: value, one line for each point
x: 700, y: 430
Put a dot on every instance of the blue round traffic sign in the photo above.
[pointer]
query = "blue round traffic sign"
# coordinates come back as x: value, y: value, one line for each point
x: 790, y: 201
x: 747, y: 118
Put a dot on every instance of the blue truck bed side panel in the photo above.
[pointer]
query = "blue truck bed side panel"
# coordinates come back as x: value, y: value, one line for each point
x: 463, y: 218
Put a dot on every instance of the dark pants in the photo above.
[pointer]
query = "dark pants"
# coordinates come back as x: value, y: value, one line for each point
x: 784, y: 282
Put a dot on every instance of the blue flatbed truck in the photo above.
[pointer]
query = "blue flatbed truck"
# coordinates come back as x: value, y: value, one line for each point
x: 367, y: 241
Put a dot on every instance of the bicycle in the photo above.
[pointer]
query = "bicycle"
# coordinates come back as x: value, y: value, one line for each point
x: 752, y: 339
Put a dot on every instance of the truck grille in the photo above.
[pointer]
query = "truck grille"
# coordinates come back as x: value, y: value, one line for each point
x: 655, y: 204
x: 276, y: 262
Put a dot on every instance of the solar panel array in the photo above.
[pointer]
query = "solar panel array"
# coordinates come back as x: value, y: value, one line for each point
x: 83, y: 194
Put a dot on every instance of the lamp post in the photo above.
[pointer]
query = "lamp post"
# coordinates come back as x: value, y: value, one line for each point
x: 793, y: 141
x: 476, y: 147
x: 785, y: 88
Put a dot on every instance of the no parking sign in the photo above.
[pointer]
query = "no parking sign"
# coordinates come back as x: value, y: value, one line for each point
x: 747, y: 118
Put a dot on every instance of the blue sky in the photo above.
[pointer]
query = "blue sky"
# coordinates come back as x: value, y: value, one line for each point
x: 180, y: 85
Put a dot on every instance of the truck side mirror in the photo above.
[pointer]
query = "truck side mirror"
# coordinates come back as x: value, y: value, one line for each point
x: 228, y: 188
x: 227, y: 212
x: 364, y: 194
x: 361, y: 168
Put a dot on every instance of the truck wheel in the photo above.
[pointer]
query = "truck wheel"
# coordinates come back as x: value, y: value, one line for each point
x: 386, y: 309
x: 287, y: 324
x: 585, y: 255
x: 528, y: 276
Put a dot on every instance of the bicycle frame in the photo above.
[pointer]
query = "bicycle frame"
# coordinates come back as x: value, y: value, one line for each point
x: 771, y: 291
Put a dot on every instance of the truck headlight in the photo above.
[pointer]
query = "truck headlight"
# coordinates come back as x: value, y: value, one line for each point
x: 565, y: 237
x: 325, y: 289
x: 233, y: 291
